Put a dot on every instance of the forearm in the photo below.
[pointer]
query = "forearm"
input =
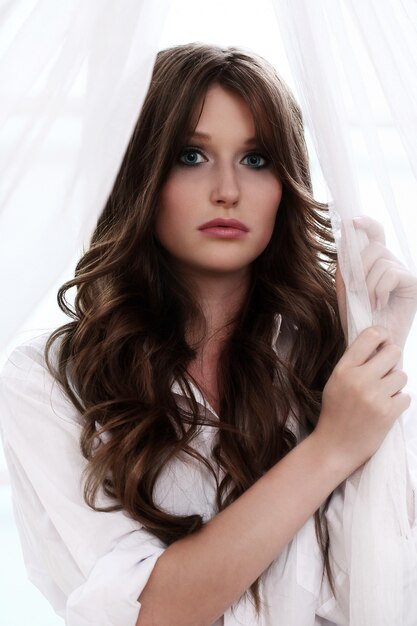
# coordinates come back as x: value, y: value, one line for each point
x: 200, y: 576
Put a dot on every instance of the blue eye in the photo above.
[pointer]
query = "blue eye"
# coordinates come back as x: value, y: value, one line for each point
x: 256, y: 161
x: 189, y: 156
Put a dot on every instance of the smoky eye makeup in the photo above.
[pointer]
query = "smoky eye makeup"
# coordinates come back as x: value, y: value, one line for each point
x: 190, y: 156
x: 253, y: 158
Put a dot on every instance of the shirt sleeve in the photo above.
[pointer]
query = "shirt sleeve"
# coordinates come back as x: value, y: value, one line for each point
x: 90, y: 565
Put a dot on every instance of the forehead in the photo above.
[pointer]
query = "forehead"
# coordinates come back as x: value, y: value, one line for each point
x: 223, y: 111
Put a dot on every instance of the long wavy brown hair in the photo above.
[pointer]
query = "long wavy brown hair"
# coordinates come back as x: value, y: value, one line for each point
x: 127, y: 342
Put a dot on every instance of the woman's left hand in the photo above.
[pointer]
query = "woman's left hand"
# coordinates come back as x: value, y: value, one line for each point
x: 391, y: 286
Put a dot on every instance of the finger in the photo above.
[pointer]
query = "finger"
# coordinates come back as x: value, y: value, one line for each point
x: 383, y: 361
x: 400, y: 402
x: 384, y: 277
x: 392, y: 279
x: 372, y: 253
x: 364, y: 346
x: 394, y: 382
x: 374, y: 230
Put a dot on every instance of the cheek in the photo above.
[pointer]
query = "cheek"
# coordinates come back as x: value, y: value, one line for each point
x: 176, y: 214
x: 270, y: 200
x: 178, y: 189
x: 169, y: 207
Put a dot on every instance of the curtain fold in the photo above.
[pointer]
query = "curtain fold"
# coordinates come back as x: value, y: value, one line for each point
x: 74, y: 75
x: 355, y: 66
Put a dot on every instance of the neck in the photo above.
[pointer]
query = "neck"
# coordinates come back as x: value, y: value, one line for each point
x: 220, y: 298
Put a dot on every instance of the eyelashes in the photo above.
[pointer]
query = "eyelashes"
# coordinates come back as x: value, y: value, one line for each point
x: 190, y: 151
x: 189, y: 157
x: 252, y: 156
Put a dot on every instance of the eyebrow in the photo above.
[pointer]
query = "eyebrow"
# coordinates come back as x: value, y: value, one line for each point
x: 199, y: 135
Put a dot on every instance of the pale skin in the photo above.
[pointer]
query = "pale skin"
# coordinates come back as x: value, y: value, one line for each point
x: 199, y: 577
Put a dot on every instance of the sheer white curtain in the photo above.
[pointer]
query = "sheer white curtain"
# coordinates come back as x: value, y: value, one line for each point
x: 355, y: 66
x: 88, y: 62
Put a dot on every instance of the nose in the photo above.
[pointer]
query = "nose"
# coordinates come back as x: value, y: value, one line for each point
x: 225, y: 189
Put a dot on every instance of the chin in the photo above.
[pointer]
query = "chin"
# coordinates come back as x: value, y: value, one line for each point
x: 225, y: 269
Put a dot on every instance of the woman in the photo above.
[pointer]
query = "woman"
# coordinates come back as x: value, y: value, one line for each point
x: 205, y: 374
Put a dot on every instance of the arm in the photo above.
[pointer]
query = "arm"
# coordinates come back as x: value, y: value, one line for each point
x: 200, y: 576
x: 197, y: 578
x: 90, y: 565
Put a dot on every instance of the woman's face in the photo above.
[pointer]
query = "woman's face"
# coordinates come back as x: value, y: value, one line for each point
x: 221, y: 174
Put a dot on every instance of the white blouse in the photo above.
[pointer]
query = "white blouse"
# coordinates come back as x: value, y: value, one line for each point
x: 92, y: 566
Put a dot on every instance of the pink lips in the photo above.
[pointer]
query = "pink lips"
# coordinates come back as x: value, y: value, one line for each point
x: 225, y: 229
